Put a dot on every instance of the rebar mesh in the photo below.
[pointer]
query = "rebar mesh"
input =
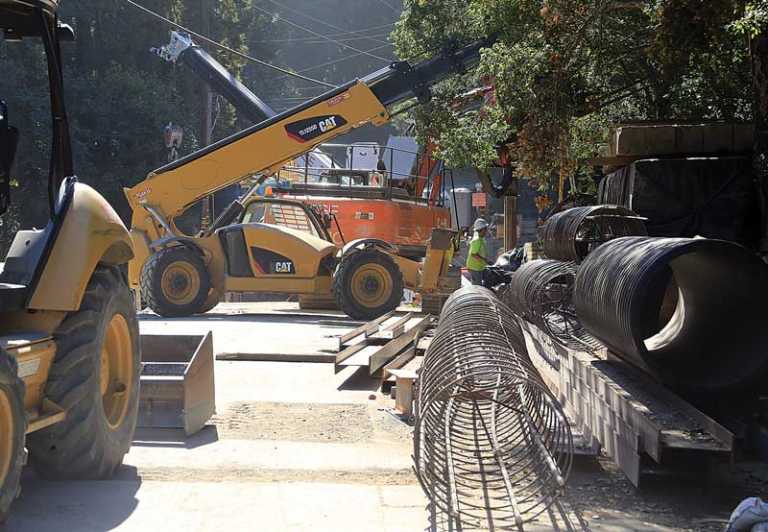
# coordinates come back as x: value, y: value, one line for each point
x: 541, y: 291
x: 572, y: 234
x: 492, y: 447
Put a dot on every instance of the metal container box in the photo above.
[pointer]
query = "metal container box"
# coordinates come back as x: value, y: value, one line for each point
x: 177, y: 383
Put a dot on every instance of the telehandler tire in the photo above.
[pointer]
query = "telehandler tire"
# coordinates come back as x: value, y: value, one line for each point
x: 95, y: 377
x: 210, y: 303
x: 175, y: 282
x: 367, y: 284
x: 13, y: 426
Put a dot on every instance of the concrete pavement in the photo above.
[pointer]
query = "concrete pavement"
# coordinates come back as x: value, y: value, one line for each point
x: 295, y: 447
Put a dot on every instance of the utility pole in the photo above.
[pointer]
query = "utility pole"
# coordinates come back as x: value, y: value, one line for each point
x: 510, y: 216
x: 207, y: 119
x: 759, y: 54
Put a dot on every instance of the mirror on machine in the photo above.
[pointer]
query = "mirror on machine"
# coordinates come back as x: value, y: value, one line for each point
x: 9, y: 138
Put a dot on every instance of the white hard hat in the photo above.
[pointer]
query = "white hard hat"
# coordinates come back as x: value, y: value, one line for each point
x: 480, y: 224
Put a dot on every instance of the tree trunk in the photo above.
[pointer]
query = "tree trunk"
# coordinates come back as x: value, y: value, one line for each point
x: 759, y: 49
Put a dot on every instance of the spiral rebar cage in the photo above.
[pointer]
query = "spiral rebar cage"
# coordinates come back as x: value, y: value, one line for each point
x: 492, y: 447
x: 572, y: 234
x: 690, y: 309
x: 541, y: 292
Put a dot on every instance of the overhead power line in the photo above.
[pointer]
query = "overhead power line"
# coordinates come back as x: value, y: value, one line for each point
x: 226, y: 48
x: 340, y: 60
x: 312, y: 32
x: 313, y: 19
x: 390, y: 6
x: 314, y: 40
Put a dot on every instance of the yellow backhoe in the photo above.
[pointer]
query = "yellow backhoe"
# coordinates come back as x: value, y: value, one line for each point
x: 69, y: 342
x: 180, y: 274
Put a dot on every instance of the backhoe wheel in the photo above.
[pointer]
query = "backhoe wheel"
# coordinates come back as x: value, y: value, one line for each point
x: 367, y: 284
x: 95, y: 377
x: 175, y: 282
x: 13, y: 425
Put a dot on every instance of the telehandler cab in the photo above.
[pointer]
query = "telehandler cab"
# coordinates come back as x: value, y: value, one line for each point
x: 69, y: 342
x: 180, y: 274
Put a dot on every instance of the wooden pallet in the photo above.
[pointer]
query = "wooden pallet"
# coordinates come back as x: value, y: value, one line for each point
x: 618, y: 407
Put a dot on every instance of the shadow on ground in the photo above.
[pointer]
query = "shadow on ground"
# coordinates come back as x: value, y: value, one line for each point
x: 82, y: 506
x: 175, y: 438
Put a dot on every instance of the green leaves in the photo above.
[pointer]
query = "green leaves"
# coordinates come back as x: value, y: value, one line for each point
x: 564, y: 70
x: 753, y: 21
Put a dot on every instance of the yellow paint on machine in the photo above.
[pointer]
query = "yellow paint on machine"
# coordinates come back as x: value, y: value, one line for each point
x: 91, y: 233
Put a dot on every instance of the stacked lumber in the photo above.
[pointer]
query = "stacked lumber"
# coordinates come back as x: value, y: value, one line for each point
x: 384, y: 344
x: 619, y: 408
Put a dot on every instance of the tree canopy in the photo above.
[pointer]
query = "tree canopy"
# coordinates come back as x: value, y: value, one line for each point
x: 120, y: 97
x: 563, y: 70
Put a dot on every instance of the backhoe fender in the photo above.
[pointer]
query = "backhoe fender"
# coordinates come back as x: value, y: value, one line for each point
x: 90, y: 234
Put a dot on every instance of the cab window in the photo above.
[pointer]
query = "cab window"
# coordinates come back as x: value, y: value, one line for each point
x: 281, y: 214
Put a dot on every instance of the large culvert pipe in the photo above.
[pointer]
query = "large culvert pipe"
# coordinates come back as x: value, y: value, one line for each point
x: 691, y: 310
x: 572, y: 234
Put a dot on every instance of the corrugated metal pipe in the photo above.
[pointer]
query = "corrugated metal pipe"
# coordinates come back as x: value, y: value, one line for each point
x: 572, y: 234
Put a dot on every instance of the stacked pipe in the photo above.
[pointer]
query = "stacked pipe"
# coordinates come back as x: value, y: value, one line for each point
x: 541, y: 291
x: 688, y: 310
x: 492, y: 447
x: 572, y: 234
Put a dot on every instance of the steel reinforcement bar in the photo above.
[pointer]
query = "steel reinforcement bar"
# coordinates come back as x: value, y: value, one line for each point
x: 541, y: 292
x: 572, y: 234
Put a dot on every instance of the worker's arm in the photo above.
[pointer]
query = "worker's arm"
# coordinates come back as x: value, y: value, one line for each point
x: 480, y: 257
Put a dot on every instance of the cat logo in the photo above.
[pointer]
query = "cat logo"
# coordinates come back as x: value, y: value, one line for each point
x: 310, y: 128
x: 285, y: 266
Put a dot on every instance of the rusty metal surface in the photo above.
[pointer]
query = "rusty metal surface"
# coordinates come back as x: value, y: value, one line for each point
x: 492, y: 447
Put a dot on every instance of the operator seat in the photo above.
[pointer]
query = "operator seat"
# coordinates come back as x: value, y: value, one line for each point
x: 29, y: 252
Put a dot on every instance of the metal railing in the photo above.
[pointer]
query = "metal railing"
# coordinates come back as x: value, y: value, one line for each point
x: 345, y: 172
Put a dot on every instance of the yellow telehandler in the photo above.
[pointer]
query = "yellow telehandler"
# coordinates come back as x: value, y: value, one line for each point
x: 69, y: 342
x: 180, y: 274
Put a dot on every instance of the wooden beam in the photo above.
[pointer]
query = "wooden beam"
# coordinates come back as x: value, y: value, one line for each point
x: 365, y: 329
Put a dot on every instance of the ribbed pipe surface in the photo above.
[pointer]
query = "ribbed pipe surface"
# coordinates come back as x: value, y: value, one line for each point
x: 572, y: 234
x: 541, y: 291
x: 691, y: 310
x: 492, y: 447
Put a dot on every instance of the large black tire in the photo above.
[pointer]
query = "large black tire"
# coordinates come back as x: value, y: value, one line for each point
x: 211, y: 302
x: 12, y: 390
x: 366, y: 297
x: 181, y: 291
x: 102, y: 336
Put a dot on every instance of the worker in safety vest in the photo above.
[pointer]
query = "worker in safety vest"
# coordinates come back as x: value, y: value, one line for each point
x: 477, y: 257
